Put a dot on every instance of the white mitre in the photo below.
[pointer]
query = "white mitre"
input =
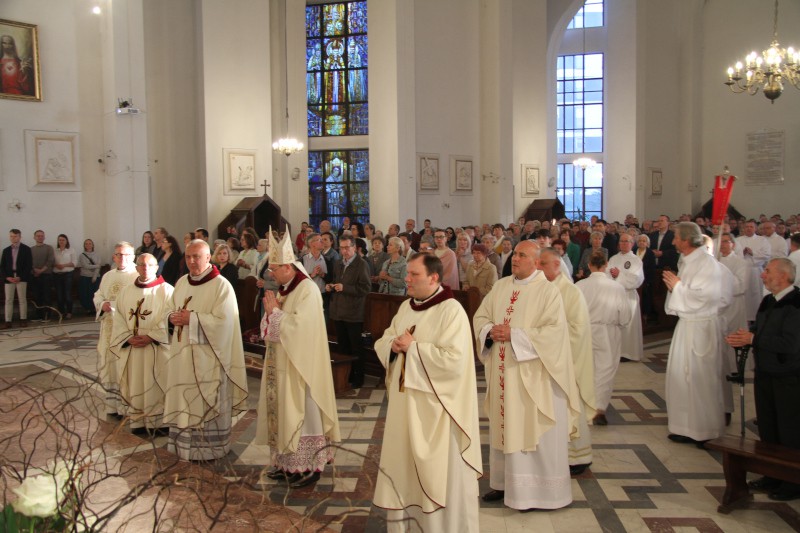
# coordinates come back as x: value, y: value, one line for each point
x: 282, y: 253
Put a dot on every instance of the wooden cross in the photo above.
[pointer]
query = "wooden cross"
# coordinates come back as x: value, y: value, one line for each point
x: 265, y: 185
x: 136, y: 315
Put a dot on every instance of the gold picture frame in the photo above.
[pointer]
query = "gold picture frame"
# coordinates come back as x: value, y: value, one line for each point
x: 22, y: 79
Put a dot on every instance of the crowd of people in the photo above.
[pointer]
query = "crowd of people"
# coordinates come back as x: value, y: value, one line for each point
x: 560, y: 309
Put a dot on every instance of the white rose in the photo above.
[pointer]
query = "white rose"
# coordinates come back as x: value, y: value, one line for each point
x: 38, y: 496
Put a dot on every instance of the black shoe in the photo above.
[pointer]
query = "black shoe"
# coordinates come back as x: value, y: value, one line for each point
x: 625, y: 360
x: 681, y: 439
x: 786, y: 493
x: 305, y: 480
x: 493, y: 496
x: 277, y: 474
x: 701, y: 444
x: 727, y: 419
x: 600, y: 420
x: 765, y: 483
x: 577, y: 470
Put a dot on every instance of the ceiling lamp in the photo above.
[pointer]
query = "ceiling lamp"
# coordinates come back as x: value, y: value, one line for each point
x: 767, y: 71
x: 584, y: 163
x: 287, y: 146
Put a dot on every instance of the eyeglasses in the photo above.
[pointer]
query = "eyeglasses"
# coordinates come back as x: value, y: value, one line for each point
x: 123, y: 255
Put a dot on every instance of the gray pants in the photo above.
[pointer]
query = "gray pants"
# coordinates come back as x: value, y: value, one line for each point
x: 21, y: 289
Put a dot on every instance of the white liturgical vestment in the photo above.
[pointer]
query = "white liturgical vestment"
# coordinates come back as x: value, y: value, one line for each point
x: 431, y: 457
x: 111, y: 285
x: 631, y: 276
x: 532, y: 399
x: 609, y: 311
x: 694, y: 378
x: 142, y: 309
x: 760, y: 257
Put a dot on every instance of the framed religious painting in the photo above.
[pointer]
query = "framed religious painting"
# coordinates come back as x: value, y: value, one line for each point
x: 428, y: 173
x: 656, y: 182
x: 530, y: 180
x: 239, y: 174
x: 51, y: 160
x: 461, y: 178
x: 20, y: 77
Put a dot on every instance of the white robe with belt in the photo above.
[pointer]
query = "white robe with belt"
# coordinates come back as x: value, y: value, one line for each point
x: 694, y: 384
x: 754, y: 292
x: 609, y: 311
x: 631, y: 276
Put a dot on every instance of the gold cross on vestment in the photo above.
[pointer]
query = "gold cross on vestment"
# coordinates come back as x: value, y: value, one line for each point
x: 136, y: 315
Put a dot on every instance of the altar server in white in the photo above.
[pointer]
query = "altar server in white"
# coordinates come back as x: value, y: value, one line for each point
x: 756, y: 252
x: 694, y: 381
x: 610, y: 312
x: 627, y: 269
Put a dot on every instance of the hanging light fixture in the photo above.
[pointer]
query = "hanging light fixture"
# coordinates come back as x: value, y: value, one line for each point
x: 286, y: 145
x: 767, y: 71
x: 584, y: 162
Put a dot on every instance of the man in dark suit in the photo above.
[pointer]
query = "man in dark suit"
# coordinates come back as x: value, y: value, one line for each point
x: 775, y: 339
x: 413, y: 236
x: 662, y: 246
x: 348, y: 289
x: 16, y: 266
x: 609, y: 240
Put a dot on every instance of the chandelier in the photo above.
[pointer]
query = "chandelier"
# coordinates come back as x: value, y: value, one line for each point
x: 767, y: 71
x: 287, y: 146
x: 584, y: 163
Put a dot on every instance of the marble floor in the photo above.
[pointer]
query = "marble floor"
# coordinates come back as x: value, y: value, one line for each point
x: 639, y: 480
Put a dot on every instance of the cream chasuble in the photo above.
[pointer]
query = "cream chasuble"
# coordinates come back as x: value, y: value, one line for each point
x: 142, y: 310
x: 532, y: 399
x: 297, y: 406
x: 111, y: 284
x: 206, y: 382
x: 431, y: 457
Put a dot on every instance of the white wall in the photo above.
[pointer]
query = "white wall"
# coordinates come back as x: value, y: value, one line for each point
x: 728, y: 117
x: 70, y: 67
x: 236, y: 97
x: 447, y: 105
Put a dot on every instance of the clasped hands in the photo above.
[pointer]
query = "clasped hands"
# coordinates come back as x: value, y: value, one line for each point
x: 670, y: 279
x: 740, y: 337
x: 180, y: 318
x: 403, y: 342
x: 335, y: 287
x: 500, y: 333
x: 140, y: 341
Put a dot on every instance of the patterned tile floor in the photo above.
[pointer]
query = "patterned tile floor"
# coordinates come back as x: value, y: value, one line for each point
x: 639, y: 481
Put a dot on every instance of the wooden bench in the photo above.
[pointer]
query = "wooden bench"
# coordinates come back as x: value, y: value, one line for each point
x: 740, y: 455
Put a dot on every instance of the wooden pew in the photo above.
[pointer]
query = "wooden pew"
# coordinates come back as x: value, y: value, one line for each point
x: 740, y: 455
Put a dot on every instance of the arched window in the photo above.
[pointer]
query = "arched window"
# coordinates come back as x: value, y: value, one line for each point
x: 580, y: 120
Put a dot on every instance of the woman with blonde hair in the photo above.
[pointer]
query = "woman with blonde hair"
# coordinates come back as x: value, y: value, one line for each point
x: 392, y: 277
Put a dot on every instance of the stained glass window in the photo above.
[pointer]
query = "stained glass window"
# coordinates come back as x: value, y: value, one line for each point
x: 336, y: 69
x: 338, y: 186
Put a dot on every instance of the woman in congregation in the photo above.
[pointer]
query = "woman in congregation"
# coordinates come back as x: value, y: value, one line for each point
x: 649, y: 268
x: 481, y: 273
x: 235, y: 248
x: 148, y: 244
x: 171, y: 262
x: 248, y: 257
x: 375, y: 259
x: 393, y: 273
x: 450, y: 233
x: 463, y: 256
x: 596, y: 241
x: 228, y: 270
x: 89, y: 282
x: 62, y: 272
